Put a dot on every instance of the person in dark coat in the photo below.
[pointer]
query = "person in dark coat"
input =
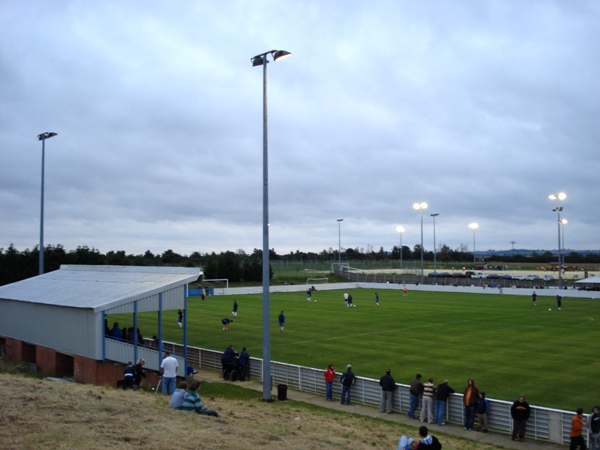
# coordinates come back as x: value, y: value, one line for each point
x: 128, y: 376
x: 519, y: 412
x: 139, y: 372
x: 388, y: 385
x: 244, y: 364
x: 348, y: 378
x: 416, y: 390
x: 443, y: 392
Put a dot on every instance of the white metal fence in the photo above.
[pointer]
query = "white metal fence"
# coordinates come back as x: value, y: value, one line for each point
x: 544, y: 424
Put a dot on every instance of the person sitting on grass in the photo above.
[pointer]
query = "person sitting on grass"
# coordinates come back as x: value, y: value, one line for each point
x: 193, y: 402
x: 428, y: 442
x: 177, y: 398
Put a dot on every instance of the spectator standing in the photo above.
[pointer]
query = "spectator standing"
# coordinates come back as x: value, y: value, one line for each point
x: 576, y: 433
x: 329, y: 375
x: 281, y: 321
x: 235, y: 308
x: 534, y: 298
x: 193, y: 402
x: 416, y: 390
x: 388, y: 385
x: 520, y: 413
x: 244, y: 364
x: 348, y: 378
x: 139, y: 372
x: 482, y: 408
x: 594, y: 427
x: 180, y: 318
x: 427, y: 400
x: 471, y: 396
x: 202, y: 296
x: 177, y: 398
x: 376, y: 298
x: 168, y: 368
x: 443, y: 392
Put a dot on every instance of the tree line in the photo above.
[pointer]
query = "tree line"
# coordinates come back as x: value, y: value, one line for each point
x: 238, y: 266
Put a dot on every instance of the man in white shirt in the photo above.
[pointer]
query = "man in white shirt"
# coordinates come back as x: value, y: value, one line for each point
x: 168, y: 369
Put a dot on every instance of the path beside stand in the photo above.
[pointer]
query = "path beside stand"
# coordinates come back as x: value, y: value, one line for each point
x: 501, y: 440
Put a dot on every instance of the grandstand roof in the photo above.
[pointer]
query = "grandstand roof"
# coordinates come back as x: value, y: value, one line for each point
x: 97, y: 287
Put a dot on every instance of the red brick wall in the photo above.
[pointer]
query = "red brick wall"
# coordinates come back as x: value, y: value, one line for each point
x: 46, y: 359
x: 84, y: 370
x: 13, y: 349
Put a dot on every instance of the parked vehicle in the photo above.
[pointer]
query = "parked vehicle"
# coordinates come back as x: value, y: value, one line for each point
x: 532, y: 277
x: 548, y: 278
x: 494, y: 276
x: 479, y: 275
x: 518, y: 277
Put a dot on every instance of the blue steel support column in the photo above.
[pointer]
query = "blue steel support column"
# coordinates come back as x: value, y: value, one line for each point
x: 135, y: 333
x: 103, y: 336
x: 185, y: 334
x: 160, y: 344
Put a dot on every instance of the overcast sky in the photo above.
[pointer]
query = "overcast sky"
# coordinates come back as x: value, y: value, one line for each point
x: 479, y: 108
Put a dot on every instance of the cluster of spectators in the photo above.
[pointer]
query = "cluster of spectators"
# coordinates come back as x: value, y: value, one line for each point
x: 133, y: 374
x: 124, y: 334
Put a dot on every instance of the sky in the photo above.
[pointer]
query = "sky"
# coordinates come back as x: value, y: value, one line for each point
x: 481, y: 109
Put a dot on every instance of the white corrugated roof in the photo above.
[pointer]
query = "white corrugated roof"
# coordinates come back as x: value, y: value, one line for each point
x: 97, y: 287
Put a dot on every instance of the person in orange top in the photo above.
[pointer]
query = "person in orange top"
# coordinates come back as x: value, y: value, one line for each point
x: 471, y: 396
x: 329, y: 377
x: 577, y: 424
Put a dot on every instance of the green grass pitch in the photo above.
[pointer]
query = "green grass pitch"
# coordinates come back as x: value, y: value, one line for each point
x: 504, y: 343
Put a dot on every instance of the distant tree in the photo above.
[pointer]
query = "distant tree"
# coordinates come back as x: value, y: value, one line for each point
x: 86, y: 255
x: 170, y: 257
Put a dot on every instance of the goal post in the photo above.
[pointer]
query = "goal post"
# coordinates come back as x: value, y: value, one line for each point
x: 317, y: 280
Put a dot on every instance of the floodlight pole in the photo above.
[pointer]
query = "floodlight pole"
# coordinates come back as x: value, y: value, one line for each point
x: 261, y: 60
x: 42, y: 137
x: 400, y: 229
x: 434, y: 251
x: 558, y: 209
x: 473, y: 226
x: 340, y: 244
x: 421, y: 206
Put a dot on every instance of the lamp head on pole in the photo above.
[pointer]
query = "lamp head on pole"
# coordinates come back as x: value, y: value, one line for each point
x: 340, y: 220
x: 261, y: 59
x: 473, y: 226
x: 46, y: 135
x: 420, y: 206
x: 560, y: 196
x: 400, y: 229
x: 435, y: 215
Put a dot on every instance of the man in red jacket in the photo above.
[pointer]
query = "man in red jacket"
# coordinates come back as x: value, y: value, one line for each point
x: 329, y: 377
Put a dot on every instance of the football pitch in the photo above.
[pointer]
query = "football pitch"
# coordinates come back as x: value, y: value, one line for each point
x: 507, y: 345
